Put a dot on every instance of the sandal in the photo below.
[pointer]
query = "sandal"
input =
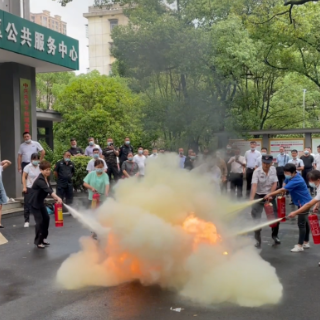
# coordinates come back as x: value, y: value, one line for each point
x: 41, y: 246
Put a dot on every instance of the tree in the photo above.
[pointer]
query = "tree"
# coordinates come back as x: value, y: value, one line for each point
x: 99, y: 106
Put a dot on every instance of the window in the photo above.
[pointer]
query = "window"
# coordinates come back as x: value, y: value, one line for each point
x: 33, y: 19
x: 44, y: 21
x: 113, y: 23
x: 87, y: 31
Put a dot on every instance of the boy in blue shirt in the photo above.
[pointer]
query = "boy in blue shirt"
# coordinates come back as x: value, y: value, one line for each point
x: 300, y: 195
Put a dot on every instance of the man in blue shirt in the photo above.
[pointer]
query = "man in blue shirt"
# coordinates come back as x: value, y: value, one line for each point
x: 300, y: 195
x: 282, y: 160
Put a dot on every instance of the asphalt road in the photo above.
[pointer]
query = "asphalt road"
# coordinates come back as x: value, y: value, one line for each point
x: 28, y: 290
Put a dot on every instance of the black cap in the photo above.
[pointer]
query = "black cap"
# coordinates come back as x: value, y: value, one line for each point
x: 267, y: 158
x: 318, y: 146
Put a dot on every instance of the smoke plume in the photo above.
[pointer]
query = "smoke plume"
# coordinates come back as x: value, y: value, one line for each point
x: 172, y: 228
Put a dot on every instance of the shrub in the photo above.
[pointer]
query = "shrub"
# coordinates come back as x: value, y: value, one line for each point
x: 80, y: 164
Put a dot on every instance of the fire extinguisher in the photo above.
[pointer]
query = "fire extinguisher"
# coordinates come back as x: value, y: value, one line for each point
x: 58, y: 215
x: 315, y: 228
x: 268, y: 207
x: 281, y: 203
x: 95, y: 201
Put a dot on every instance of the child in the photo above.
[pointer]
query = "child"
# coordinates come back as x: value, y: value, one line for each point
x: 97, y: 181
x: 3, y: 196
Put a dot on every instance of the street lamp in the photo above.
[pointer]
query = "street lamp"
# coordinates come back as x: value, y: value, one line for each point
x: 304, y: 107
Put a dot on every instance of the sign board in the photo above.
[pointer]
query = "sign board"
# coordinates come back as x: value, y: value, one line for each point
x: 288, y: 144
x: 244, y: 145
x: 30, y: 39
x: 25, y: 106
x: 315, y: 143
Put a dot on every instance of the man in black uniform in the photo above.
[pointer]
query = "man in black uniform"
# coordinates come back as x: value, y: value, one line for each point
x: 124, y: 151
x: 74, y: 150
x: 110, y: 154
x: 63, y: 171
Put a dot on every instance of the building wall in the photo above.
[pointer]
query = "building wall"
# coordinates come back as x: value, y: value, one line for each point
x: 51, y: 22
x: 100, y: 22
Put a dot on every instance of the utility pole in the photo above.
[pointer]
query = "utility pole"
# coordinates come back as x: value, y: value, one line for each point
x: 304, y: 107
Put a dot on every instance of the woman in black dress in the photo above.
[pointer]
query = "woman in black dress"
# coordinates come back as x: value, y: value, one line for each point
x: 40, y: 190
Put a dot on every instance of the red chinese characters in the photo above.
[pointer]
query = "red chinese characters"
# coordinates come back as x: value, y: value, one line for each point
x: 26, y: 108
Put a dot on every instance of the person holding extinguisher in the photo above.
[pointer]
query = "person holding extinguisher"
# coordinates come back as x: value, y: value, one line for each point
x: 97, y: 181
x: 40, y: 189
x: 264, y: 181
x: 295, y: 184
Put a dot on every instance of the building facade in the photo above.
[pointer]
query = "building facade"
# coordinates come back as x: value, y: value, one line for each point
x: 52, y: 22
x: 101, y: 22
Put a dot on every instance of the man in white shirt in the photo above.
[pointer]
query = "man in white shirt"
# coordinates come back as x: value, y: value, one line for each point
x: 27, y: 148
x: 92, y: 145
x: 154, y: 153
x: 258, y: 160
x: 96, y: 156
x: 317, y: 159
x: 140, y: 160
x: 264, y: 181
x: 238, y: 166
x: 251, y: 156
x: 296, y: 161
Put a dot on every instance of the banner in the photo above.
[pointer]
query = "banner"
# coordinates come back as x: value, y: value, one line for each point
x: 25, y: 106
x: 288, y: 144
x: 315, y: 143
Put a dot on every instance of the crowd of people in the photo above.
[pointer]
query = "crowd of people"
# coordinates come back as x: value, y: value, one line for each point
x: 266, y: 176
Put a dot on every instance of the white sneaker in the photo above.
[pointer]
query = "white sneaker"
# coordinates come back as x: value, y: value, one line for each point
x: 306, y: 246
x: 297, y: 248
x: 26, y: 225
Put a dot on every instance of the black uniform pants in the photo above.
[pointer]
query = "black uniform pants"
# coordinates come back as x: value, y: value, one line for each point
x: 113, y: 171
x: 249, y: 174
x: 304, y: 176
x: 236, y: 180
x: 256, y: 212
x: 65, y: 192
x: 42, y: 219
x: 26, y: 205
x: 304, y: 228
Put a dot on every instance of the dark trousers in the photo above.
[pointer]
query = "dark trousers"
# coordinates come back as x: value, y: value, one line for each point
x: 65, y: 192
x: 236, y: 180
x: 249, y: 174
x: 304, y: 228
x: 304, y: 176
x: 113, y: 171
x: 281, y: 178
x: 42, y: 219
x: 256, y: 212
x: 23, y: 165
x: 26, y: 205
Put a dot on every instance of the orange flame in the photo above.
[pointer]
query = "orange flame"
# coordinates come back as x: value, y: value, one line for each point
x: 203, y: 231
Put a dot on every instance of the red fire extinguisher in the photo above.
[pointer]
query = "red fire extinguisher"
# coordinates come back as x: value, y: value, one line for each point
x: 315, y: 228
x: 281, y: 203
x: 58, y: 215
x: 95, y: 201
x: 268, y: 207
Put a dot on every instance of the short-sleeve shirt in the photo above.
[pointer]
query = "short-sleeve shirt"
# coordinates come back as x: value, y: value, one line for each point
x: 317, y: 161
x: 65, y: 172
x: 141, y: 162
x: 90, y: 166
x: 282, y: 159
x: 109, y: 156
x: 89, y: 150
x: 297, y: 162
x: 236, y: 166
x: 182, y: 160
x: 251, y: 157
x: 264, y: 182
x: 97, y: 182
x: 27, y: 149
x: 308, y: 161
x: 131, y: 168
x: 75, y: 151
x: 298, y: 190
x: 32, y: 172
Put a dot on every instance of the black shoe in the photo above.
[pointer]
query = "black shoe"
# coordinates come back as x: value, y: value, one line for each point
x: 291, y: 204
x: 258, y: 245
x: 47, y: 244
x: 276, y: 240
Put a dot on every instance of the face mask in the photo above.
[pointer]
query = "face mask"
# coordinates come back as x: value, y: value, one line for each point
x: 252, y: 149
x: 130, y: 159
x: 91, y: 143
x: 154, y: 153
x: 127, y: 142
x: 181, y: 153
x: 99, y: 170
x: 294, y: 158
x: 110, y: 143
x: 282, y: 153
x: 312, y: 185
x: 66, y: 159
x: 288, y: 177
x: 192, y: 157
x: 28, y: 141
x: 96, y: 156
x: 306, y: 152
x: 140, y: 151
x: 263, y: 153
x: 228, y: 148
x: 35, y: 163
x: 73, y: 147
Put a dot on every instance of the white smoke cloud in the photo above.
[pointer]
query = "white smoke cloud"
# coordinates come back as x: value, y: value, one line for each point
x: 147, y: 242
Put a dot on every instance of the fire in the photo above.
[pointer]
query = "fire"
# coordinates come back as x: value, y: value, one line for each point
x: 203, y: 231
